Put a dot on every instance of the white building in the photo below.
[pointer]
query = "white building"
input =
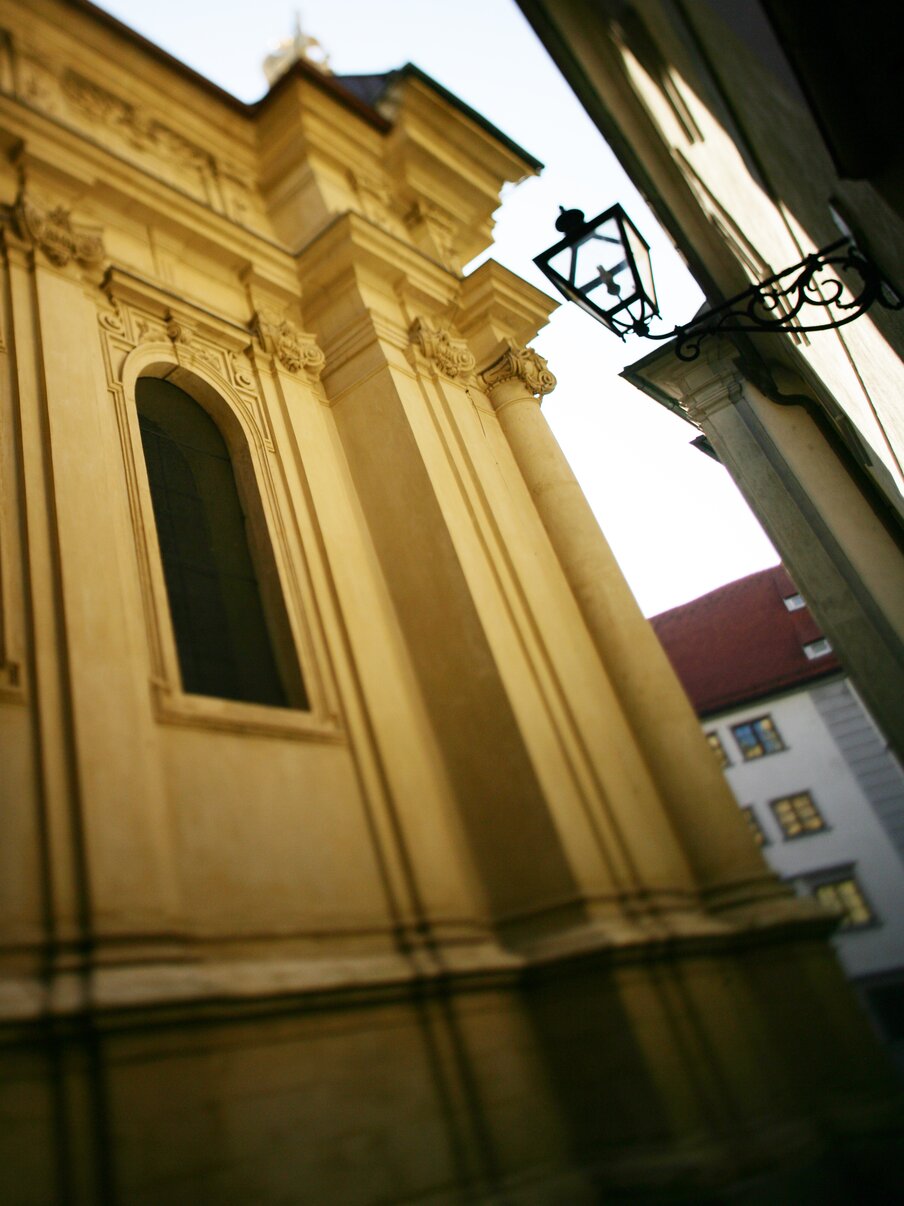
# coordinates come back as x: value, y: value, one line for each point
x: 823, y: 796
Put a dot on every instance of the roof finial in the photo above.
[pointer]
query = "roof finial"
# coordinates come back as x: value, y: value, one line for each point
x: 291, y: 50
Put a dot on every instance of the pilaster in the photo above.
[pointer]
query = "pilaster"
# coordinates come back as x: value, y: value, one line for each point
x: 111, y: 878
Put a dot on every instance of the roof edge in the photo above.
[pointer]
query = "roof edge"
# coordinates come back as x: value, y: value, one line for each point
x: 299, y: 69
x: 413, y: 71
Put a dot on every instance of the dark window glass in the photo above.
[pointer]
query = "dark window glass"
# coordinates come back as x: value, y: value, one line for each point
x: 757, y: 738
x: 222, y: 636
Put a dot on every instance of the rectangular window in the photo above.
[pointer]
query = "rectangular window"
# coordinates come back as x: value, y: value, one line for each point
x: 756, y: 829
x: 757, y: 738
x: 844, y: 896
x: 718, y: 749
x: 798, y: 815
x: 820, y: 648
x: 794, y: 602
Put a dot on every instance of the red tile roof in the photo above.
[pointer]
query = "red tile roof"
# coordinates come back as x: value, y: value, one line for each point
x: 740, y: 642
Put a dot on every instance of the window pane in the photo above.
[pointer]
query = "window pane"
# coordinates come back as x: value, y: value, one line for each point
x: 718, y: 749
x: 798, y: 815
x: 845, y: 895
x: 747, y: 741
x: 757, y: 737
x: 768, y: 735
x: 222, y: 638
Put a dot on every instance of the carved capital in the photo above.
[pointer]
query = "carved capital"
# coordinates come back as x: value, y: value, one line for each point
x: 293, y: 348
x: 522, y: 364
x: 448, y: 354
x: 51, y: 230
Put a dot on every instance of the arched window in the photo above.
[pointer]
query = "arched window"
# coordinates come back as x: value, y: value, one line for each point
x: 225, y: 629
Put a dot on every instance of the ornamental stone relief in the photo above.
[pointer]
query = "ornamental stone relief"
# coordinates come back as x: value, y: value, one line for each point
x: 134, y: 126
x: 522, y: 364
x: 448, y: 354
x: 35, y: 82
x: 126, y: 326
x: 376, y: 200
x: 131, y: 130
x: 51, y: 230
x: 295, y: 349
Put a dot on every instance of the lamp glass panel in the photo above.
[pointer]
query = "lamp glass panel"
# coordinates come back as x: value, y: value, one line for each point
x: 640, y: 253
x: 603, y: 272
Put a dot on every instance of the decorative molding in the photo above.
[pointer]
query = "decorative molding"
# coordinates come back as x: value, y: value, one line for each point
x: 375, y: 199
x: 195, y: 342
x: 522, y: 364
x: 142, y: 330
x: 295, y: 349
x: 51, y: 230
x: 701, y: 387
x: 241, y: 372
x: 136, y: 127
x: 723, y: 387
x: 128, y: 128
x: 178, y: 330
x: 36, y: 84
x: 449, y: 354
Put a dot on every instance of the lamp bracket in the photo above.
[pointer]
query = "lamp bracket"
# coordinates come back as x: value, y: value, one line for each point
x: 812, y: 289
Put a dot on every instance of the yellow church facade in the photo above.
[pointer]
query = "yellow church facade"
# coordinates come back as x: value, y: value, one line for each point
x: 357, y: 844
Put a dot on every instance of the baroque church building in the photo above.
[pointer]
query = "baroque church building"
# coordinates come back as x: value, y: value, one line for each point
x: 357, y: 843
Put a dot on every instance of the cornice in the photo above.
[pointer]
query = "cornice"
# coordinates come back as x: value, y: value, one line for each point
x: 121, y: 285
x: 495, y: 304
x: 44, y: 151
x: 701, y: 387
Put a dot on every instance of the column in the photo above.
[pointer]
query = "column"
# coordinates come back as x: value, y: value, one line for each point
x: 729, y: 869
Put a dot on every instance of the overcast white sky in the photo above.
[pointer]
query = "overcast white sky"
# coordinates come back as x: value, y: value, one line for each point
x: 674, y: 519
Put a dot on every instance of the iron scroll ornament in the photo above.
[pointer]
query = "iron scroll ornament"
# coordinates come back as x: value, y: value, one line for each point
x: 603, y: 265
x: 775, y: 304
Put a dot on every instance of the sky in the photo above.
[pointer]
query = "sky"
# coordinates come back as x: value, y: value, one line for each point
x: 674, y: 518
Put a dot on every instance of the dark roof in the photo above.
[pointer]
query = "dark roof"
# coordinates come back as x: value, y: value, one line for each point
x: 740, y: 642
x: 371, y: 88
x: 368, y: 88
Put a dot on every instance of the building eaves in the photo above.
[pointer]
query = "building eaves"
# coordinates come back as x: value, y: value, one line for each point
x: 411, y: 71
x: 740, y: 643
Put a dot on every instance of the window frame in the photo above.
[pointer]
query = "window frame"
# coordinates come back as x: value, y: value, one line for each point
x: 293, y: 640
x: 804, y: 831
x: 717, y: 745
x: 751, y: 724
x: 836, y: 877
x: 757, y: 832
x: 820, y: 647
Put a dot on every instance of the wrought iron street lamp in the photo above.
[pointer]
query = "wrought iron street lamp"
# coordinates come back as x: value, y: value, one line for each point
x: 604, y: 266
